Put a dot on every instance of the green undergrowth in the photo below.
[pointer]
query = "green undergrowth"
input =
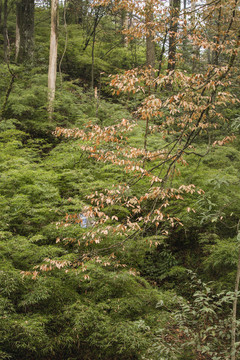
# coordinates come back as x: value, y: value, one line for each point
x: 116, y: 309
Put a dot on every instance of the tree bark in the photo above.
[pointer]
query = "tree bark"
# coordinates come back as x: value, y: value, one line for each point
x: 215, y: 53
x: 1, y: 7
x: 234, y: 316
x: 52, y: 69
x: 150, y: 45
x: 93, y: 59
x: 5, y: 31
x: 124, y: 25
x: 196, y: 50
x: 174, y: 13
x: 162, y: 53
x: 24, y: 31
x: 185, y: 41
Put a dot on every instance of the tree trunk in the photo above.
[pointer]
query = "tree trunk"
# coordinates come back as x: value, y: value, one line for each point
x: 234, y: 316
x: 1, y: 7
x: 162, y: 53
x: 124, y: 25
x: 196, y: 50
x: 93, y: 60
x: 185, y: 41
x: 24, y: 31
x: 96, y: 22
x: 5, y: 32
x: 52, y: 69
x: 215, y: 53
x: 150, y: 45
x: 174, y: 13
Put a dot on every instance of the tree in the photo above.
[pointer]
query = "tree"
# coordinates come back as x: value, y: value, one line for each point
x: 173, y: 30
x: 196, y: 52
x: 24, y: 31
x: 194, y: 108
x: 124, y: 25
x: 5, y: 31
x: 1, y: 8
x: 150, y: 44
x: 52, y: 69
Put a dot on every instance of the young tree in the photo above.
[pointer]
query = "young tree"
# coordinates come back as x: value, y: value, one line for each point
x: 191, y: 109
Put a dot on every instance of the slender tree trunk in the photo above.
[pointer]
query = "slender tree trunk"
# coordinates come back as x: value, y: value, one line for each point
x: 185, y: 41
x: 93, y: 60
x: 215, y: 53
x: 234, y: 316
x: 124, y: 25
x: 162, y: 53
x: 1, y: 8
x: 24, y: 31
x: 150, y: 45
x: 196, y: 51
x: 174, y: 13
x: 5, y: 31
x: 17, y: 40
x: 96, y: 22
x: 52, y: 69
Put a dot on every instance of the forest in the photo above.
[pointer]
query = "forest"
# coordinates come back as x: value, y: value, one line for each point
x: 119, y: 179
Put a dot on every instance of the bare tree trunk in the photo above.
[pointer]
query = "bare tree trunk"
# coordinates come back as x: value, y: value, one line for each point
x: 24, y: 31
x: 1, y: 8
x: 162, y: 52
x: 96, y: 22
x: 5, y: 31
x: 93, y: 59
x: 124, y: 25
x: 150, y: 45
x: 215, y: 53
x: 17, y: 40
x: 52, y: 69
x: 196, y: 51
x: 234, y: 316
x: 174, y: 13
